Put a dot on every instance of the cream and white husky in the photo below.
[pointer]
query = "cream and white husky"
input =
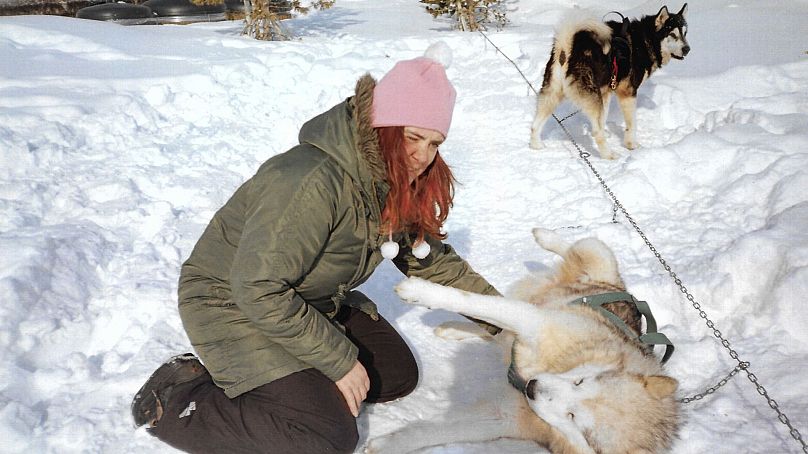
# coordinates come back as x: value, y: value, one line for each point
x: 586, y: 385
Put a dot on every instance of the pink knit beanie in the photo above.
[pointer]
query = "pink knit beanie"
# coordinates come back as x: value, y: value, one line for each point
x: 417, y: 93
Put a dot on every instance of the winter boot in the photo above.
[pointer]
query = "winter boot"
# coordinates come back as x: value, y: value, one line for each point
x: 149, y: 402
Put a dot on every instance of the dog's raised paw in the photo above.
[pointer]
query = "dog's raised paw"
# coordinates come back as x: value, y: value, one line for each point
x: 412, y: 289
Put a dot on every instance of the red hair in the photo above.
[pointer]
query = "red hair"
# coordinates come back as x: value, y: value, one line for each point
x: 420, y: 207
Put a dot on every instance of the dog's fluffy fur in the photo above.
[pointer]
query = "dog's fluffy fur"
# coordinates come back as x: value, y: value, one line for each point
x: 591, y: 387
x: 581, y: 66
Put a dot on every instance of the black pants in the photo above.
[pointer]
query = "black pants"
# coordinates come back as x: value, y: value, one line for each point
x: 301, y: 413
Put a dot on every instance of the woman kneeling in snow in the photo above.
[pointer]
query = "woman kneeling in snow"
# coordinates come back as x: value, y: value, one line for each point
x: 290, y: 350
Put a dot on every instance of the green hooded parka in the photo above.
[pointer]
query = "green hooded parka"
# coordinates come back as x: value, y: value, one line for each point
x: 274, y: 264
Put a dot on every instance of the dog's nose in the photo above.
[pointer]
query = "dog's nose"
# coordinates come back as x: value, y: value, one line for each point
x: 685, y: 50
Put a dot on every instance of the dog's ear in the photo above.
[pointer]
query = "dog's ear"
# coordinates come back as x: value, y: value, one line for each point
x: 660, y: 386
x: 661, y: 18
x: 683, y: 11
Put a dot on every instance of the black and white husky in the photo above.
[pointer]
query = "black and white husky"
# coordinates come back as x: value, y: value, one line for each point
x: 590, y: 59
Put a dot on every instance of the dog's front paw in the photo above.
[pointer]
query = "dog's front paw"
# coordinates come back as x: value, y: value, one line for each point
x: 421, y: 292
x: 631, y: 144
x: 413, y: 290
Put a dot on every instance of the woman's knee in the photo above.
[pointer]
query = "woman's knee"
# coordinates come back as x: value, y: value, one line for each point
x: 312, y: 413
x: 394, y: 383
x: 343, y: 441
x: 409, y: 375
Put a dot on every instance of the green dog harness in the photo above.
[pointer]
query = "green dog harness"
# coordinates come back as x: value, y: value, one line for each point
x: 651, y: 337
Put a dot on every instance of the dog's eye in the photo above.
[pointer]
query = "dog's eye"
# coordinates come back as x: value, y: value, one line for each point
x: 571, y: 415
x: 578, y: 382
x: 672, y: 35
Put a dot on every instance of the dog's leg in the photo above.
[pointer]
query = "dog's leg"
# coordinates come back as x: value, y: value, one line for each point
x: 587, y: 259
x: 550, y: 95
x: 550, y: 241
x: 456, y: 330
x: 421, y: 435
x: 628, y: 104
x: 547, y: 103
x: 606, y: 97
x: 592, y: 105
x: 517, y: 316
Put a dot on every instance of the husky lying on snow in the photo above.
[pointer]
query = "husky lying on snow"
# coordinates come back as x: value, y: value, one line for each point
x: 590, y: 58
x: 585, y: 384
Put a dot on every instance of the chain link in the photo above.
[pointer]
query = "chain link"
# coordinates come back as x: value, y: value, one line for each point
x: 712, y: 389
x: 568, y: 116
x: 742, y: 365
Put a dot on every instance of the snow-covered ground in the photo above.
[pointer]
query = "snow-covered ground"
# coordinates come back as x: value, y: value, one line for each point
x: 117, y: 145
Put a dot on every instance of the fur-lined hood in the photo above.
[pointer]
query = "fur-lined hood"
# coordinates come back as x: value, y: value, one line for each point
x: 346, y: 133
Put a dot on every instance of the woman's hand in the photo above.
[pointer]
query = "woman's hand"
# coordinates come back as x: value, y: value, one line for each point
x: 354, y: 387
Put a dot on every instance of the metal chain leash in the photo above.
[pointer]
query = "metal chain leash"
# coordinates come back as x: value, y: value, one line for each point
x: 712, y: 389
x: 568, y: 116
x: 742, y: 365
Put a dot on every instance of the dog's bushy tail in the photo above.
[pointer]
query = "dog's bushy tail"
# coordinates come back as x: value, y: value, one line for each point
x: 578, y: 20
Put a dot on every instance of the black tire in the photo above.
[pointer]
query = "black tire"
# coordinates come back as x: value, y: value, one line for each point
x: 115, y: 12
x: 176, y: 8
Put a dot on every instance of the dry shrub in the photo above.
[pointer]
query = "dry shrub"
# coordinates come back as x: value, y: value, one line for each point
x: 263, y: 17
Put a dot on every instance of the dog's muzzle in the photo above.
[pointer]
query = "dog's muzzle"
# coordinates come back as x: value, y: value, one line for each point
x: 685, y: 51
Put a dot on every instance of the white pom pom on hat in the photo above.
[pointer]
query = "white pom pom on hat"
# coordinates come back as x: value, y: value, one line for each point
x: 417, y: 92
x: 440, y: 52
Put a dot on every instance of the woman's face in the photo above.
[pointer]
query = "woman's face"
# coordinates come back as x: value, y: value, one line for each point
x: 421, y: 146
